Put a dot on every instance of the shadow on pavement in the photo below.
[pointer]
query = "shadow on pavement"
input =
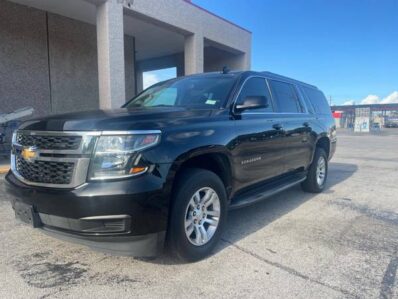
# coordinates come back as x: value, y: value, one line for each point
x: 246, y: 221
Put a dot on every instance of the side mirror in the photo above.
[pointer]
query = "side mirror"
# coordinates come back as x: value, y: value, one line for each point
x: 252, y: 102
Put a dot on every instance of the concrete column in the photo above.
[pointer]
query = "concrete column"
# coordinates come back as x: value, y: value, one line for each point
x: 193, y: 54
x: 110, y: 46
x: 247, y: 60
x: 140, y: 81
x: 129, y: 66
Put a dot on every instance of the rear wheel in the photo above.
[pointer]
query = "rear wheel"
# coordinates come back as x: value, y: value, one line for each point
x: 317, y: 173
x: 198, y: 214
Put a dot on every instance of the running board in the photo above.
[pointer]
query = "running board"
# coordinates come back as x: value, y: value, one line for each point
x: 265, y: 191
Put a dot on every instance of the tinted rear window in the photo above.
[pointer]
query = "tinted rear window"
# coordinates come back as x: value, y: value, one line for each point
x: 318, y: 100
x: 285, y: 96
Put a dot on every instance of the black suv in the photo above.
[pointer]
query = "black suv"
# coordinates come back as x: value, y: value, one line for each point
x: 167, y: 166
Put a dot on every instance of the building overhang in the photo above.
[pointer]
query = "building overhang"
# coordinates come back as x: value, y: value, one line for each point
x: 161, y: 24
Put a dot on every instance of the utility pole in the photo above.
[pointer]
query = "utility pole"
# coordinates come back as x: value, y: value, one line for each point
x: 330, y: 100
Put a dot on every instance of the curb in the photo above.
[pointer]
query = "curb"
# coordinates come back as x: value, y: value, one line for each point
x: 4, y: 169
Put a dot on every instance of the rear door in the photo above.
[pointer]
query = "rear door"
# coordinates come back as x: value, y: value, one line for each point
x: 259, y: 146
x: 323, y: 120
x: 296, y: 124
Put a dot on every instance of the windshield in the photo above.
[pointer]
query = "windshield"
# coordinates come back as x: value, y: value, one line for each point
x: 191, y: 92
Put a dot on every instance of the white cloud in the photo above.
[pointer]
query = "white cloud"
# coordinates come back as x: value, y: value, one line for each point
x: 370, y: 99
x: 149, y: 79
x: 374, y: 99
x: 348, y: 103
x: 392, y: 98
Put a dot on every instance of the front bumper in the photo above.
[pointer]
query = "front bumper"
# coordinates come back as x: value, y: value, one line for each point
x: 127, y: 217
x: 149, y: 245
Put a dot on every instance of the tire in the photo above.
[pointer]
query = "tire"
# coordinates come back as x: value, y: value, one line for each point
x: 312, y: 184
x: 181, y: 242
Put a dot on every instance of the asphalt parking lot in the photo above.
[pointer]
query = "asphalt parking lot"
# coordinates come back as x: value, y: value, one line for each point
x: 342, y: 243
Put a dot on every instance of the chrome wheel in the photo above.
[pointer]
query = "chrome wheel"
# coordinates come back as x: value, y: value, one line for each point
x: 321, y: 171
x: 202, y: 216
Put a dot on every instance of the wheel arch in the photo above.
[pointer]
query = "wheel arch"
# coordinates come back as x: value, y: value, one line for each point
x: 323, y: 142
x: 215, y: 158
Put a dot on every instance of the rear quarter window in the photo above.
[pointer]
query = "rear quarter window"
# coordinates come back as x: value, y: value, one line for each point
x: 317, y: 99
x: 286, y: 97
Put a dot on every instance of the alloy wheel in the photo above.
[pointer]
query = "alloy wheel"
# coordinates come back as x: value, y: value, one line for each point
x: 202, y: 216
x: 321, y: 171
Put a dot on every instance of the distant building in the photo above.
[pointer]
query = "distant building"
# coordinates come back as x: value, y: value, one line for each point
x: 354, y: 116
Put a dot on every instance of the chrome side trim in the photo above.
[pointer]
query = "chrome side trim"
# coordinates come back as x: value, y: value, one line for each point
x: 106, y: 217
x: 61, y: 133
x: 132, y: 132
x: 90, y: 133
x: 275, y: 113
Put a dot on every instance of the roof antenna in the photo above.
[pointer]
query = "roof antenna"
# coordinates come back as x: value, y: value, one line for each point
x: 225, y: 70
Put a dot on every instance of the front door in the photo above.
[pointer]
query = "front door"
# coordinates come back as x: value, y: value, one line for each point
x: 258, y: 150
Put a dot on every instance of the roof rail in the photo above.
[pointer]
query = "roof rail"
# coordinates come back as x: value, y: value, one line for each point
x: 276, y: 76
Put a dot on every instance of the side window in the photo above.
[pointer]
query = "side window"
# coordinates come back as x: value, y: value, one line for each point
x: 285, y: 96
x: 318, y: 100
x: 304, y: 96
x: 256, y: 87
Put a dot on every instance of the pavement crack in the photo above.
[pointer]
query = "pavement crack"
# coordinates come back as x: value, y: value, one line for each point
x: 385, y: 216
x: 387, y: 284
x: 288, y: 269
x: 51, y: 294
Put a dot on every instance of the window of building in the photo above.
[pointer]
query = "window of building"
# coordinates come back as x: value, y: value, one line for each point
x: 285, y: 96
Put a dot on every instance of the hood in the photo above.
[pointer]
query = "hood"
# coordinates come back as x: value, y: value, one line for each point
x: 120, y: 119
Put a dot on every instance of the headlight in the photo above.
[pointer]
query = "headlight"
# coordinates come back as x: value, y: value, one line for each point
x: 115, y: 156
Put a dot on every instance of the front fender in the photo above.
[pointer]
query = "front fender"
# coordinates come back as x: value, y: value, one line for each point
x: 213, y: 150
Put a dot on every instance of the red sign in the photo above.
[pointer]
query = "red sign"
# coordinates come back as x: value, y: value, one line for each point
x: 337, y: 114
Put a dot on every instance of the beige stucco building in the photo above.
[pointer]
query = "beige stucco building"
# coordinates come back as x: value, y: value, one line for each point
x: 60, y: 56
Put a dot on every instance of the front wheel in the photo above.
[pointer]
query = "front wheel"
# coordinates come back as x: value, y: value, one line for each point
x: 198, y: 214
x: 317, y: 173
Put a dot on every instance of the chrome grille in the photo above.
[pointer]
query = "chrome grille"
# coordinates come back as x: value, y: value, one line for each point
x: 59, y: 159
x: 49, y: 142
x: 46, y: 172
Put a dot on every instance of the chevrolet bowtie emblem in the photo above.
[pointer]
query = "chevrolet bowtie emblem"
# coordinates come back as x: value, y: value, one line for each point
x: 29, y: 153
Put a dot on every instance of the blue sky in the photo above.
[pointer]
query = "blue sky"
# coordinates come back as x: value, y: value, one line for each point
x: 347, y: 48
